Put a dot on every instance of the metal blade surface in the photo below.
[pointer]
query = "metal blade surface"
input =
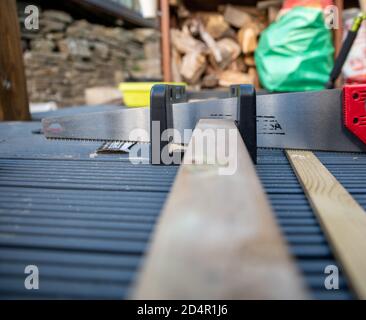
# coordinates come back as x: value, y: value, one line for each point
x: 305, y: 120
x: 301, y: 120
x: 116, y: 125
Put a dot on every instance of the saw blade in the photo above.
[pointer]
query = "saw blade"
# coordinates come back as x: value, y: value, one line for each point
x: 302, y: 120
x: 306, y: 120
x: 102, y: 126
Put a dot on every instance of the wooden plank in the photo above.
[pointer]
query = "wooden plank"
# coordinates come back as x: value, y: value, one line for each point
x: 342, y: 218
x: 217, y: 237
x: 13, y: 90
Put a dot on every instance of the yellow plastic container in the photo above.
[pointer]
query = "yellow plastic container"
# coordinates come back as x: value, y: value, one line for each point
x: 137, y: 94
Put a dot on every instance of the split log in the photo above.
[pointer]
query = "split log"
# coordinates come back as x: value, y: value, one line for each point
x: 229, y: 33
x: 193, y: 66
x: 252, y: 72
x: 210, y: 81
x: 229, y: 49
x: 182, y: 11
x: 236, y: 17
x: 273, y: 13
x: 191, y: 26
x: 223, y: 64
x: 238, y: 65
x: 185, y: 43
x: 231, y: 46
x: 249, y: 61
x: 247, y: 38
x: 211, y: 43
x: 221, y: 38
x: 215, y: 25
x: 228, y: 78
x: 269, y: 3
x: 176, y: 65
x: 211, y: 70
x: 256, y: 13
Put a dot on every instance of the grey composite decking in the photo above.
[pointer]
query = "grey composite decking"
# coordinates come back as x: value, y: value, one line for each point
x: 86, y: 220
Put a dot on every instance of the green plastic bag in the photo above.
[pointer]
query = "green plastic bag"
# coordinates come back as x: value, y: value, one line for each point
x: 296, y: 52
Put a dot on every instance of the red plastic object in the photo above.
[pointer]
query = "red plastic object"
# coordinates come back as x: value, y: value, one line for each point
x: 289, y: 4
x: 354, y: 108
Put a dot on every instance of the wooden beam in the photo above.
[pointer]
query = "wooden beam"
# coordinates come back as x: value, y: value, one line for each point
x: 338, y: 38
x: 165, y: 40
x: 342, y: 218
x: 338, y: 33
x: 13, y: 90
x: 217, y: 237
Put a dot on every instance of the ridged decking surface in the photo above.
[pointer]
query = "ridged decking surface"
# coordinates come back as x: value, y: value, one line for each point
x: 86, y: 220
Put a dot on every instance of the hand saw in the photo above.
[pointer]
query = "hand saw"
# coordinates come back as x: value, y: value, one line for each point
x: 328, y: 120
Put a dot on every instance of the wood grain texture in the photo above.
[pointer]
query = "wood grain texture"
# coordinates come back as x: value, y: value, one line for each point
x: 338, y: 38
x: 13, y: 91
x: 217, y: 237
x: 338, y: 32
x: 165, y: 39
x: 342, y: 218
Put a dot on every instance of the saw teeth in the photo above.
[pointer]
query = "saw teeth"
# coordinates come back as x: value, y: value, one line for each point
x: 95, y: 140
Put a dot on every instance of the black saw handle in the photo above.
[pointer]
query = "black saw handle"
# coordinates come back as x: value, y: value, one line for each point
x: 247, y: 116
x: 163, y: 96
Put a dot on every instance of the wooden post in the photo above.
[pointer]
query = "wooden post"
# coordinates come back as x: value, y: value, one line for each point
x: 165, y: 39
x: 217, y: 237
x: 13, y: 91
x: 338, y: 36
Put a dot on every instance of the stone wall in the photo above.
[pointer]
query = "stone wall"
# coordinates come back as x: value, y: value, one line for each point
x: 66, y: 56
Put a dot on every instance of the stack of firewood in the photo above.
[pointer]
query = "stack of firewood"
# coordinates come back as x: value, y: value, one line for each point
x: 217, y: 49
